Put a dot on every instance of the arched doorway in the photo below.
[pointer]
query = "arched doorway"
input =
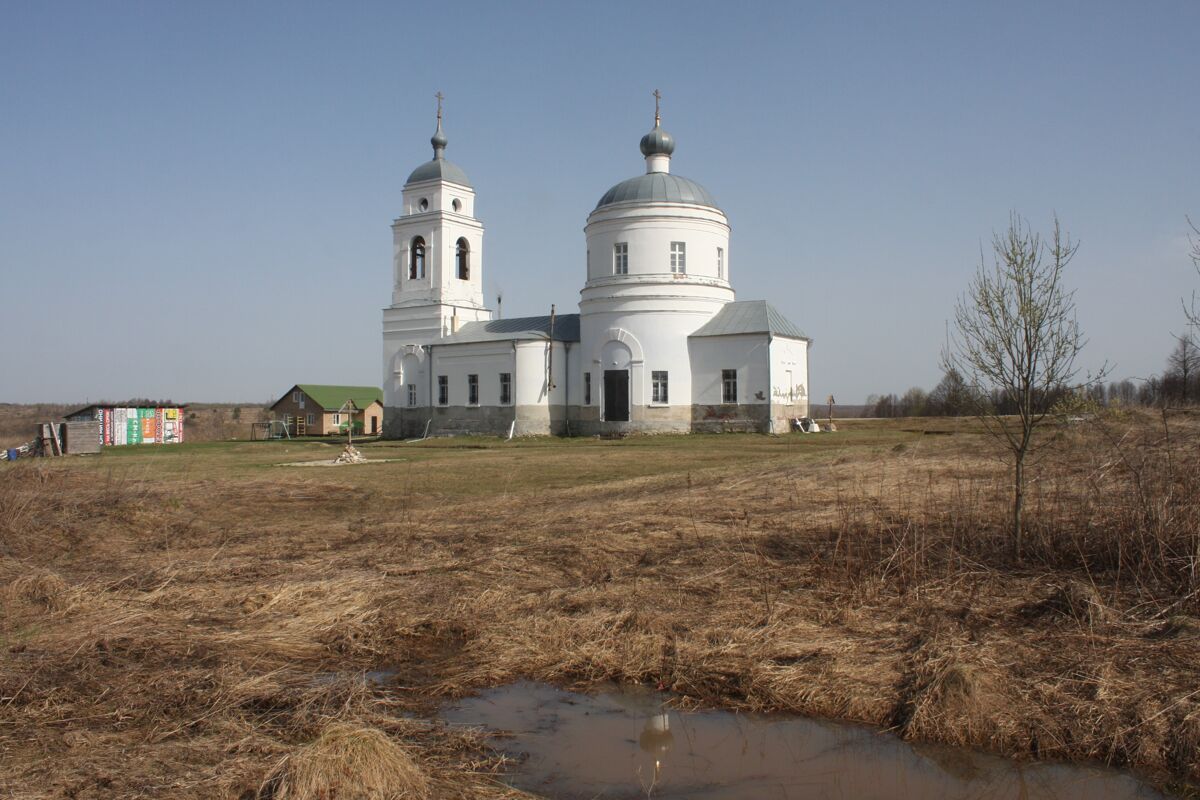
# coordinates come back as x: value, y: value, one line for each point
x: 615, y: 359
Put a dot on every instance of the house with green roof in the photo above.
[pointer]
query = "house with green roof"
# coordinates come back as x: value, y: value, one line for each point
x: 310, y: 409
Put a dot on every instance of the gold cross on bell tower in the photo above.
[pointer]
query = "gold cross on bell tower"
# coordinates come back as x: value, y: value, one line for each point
x: 657, y: 98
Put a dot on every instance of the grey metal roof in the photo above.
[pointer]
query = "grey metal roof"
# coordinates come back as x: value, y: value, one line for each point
x: 750, y: 316
x: 658, y: 187
x: 566, y: 329
x: 657, y: 141
x: 439, y: 169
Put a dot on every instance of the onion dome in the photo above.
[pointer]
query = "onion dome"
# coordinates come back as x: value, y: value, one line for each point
x: 439, y: 168
x: 658, y: 142
x: 439, y: 141
x: 658, y: 185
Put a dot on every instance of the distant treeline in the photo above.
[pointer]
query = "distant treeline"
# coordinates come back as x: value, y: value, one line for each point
x: 1179, y: 384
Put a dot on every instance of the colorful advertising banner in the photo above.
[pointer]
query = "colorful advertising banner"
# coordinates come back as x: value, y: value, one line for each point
x: 134, y: 428
x: 119, y: 432
x: 122, y: 426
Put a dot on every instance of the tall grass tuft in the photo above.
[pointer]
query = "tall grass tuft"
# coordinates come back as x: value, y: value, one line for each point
x: 347, y: 761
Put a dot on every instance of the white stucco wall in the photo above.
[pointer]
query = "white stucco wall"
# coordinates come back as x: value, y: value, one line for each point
x: 440, y: 196
x: 789, y: 372
x: 534, y: 365
x: 649, y: 229
x: 749, y: 354
x: 456, y: 362
x: 441, y: 284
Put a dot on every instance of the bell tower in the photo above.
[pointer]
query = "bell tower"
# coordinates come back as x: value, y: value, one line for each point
x: 437, y: 253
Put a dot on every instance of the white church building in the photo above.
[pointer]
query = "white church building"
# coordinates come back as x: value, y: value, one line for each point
x: 659, y: 343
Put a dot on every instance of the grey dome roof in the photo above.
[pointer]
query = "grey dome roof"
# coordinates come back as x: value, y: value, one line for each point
x: 658, y: 142
x: 439, y: 169
x: 658, y: 187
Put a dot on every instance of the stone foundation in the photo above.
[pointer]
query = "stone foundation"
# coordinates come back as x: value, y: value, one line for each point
x: 731, y: 418
x: 540, y: 420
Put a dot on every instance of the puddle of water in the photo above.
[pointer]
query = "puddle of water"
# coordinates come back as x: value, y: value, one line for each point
x: 623, y: 743
x: 378, y: 677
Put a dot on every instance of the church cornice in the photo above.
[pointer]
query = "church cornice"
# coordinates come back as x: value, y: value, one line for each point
x: 655, y: 279
x: 434, y: 216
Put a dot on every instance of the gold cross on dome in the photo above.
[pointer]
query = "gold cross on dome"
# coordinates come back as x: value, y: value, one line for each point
x: 439, y: 97
x: 657, y: 97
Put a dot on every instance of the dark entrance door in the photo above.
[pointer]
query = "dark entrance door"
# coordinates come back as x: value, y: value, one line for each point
x: 374, y: 425
x: 616, y: 395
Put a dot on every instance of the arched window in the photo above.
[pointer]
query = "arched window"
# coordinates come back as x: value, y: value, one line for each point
x: 463, y: 260
x: 416, y: 258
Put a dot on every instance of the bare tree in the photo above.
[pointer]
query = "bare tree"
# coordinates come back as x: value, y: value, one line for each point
x: 1016, y: 338
x: 1193, y: 311
x: 1183, y: 364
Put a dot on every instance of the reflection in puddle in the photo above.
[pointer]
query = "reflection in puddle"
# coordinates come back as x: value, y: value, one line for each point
x: 623, y: 743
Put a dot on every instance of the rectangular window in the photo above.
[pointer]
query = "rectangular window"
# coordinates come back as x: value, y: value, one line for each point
x: 472, y: 390
x: 412, y: 394
x: 729, y: 386
x: 443, y: 390
x: 721, y: 263
x: 658, y: 387
x: 621, y: 258
x: 295, y: 397
x: 311, y: 419
x: 337, y: 419
x: 587, y: 388
x: 505, y: 388
x: 678, y: 257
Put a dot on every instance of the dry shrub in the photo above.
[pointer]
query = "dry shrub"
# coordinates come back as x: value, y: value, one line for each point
x: 39, y: 587
x: 1071, y: 599
x: 1175, y: 626
x: 957, y: 699
x: 347, y: 762
x: 1184, y: 742
x: 1122, y: 498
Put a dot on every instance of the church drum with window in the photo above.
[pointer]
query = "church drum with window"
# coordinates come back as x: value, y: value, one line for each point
x: 660, y: 344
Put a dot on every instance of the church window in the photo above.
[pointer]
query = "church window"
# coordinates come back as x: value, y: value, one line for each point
x: 443, y: 390
x: 621, y: 258
x: 416, y: 258
x: 505, y: 388
x: 423, y: 205
x: 457, y: 204
x: 472, y: 390
x: 658, y: 387
x: 721, y: 263
x: 412, y: 394
x: 729, y: 386
x: 463, y: 260
x: 678, y: 257
x: 587, y: 388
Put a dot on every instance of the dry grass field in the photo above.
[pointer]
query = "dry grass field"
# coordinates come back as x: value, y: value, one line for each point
x: 199, y: 622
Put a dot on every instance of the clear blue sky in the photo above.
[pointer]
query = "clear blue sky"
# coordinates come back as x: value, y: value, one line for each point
x: 195, y: 199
